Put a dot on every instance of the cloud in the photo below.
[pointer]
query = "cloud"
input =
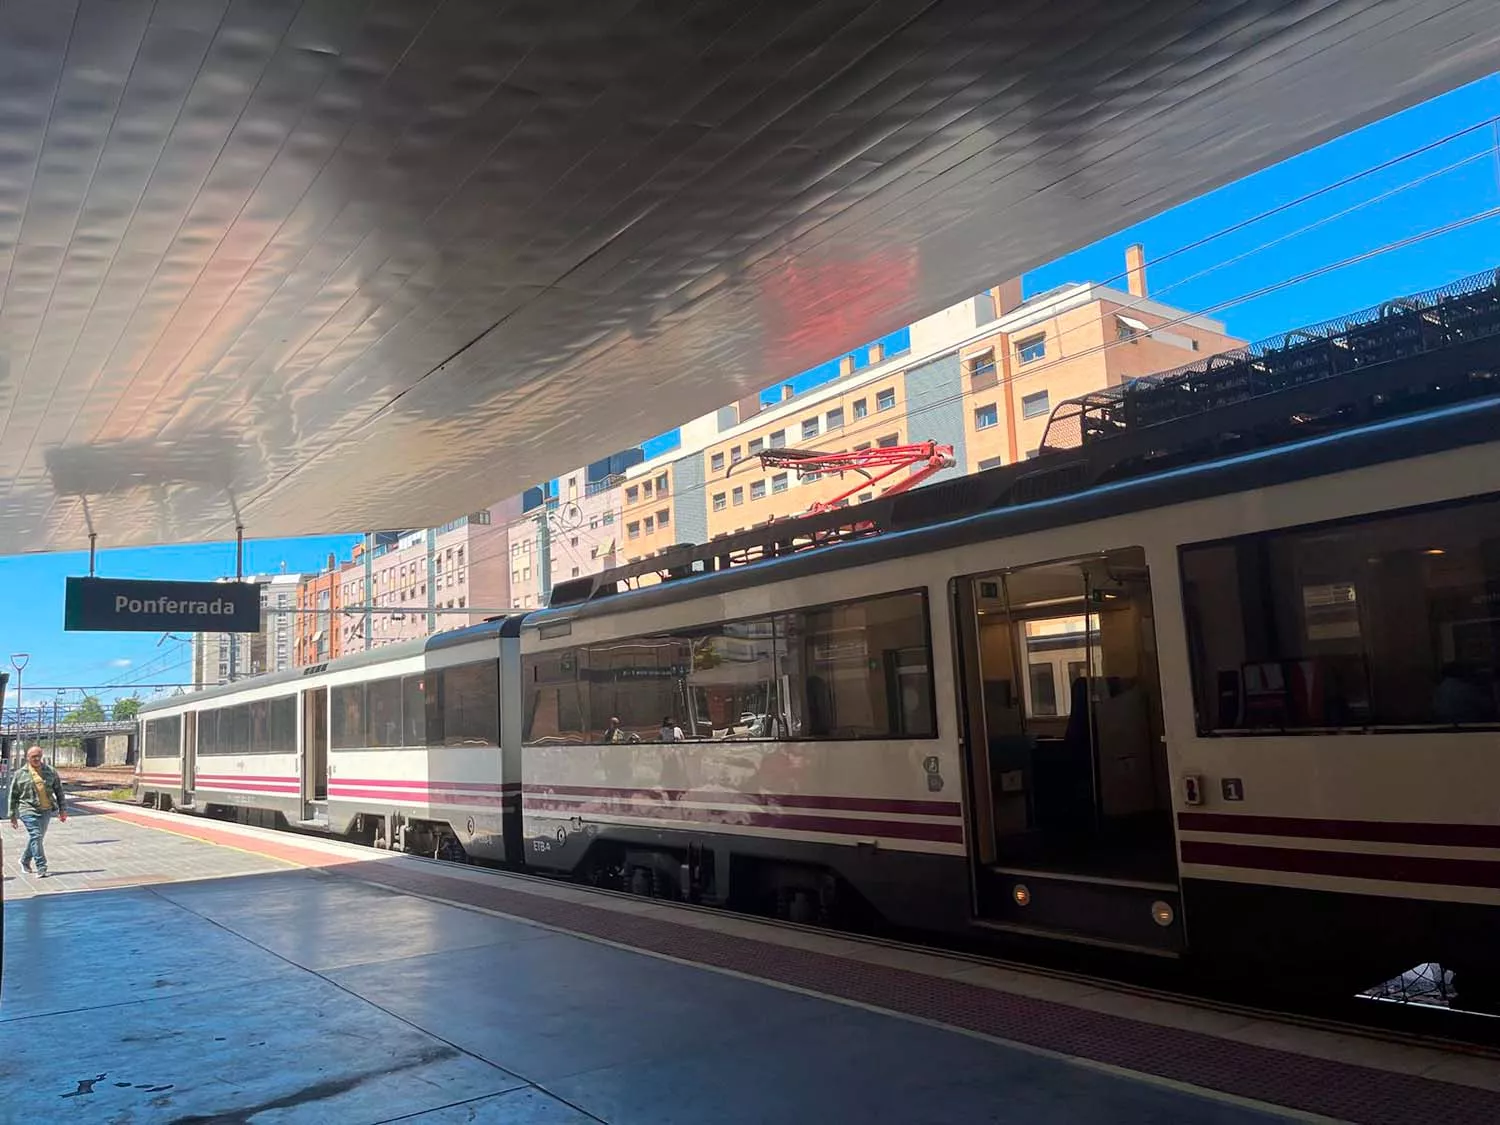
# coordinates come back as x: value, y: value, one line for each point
x: 121, y: 662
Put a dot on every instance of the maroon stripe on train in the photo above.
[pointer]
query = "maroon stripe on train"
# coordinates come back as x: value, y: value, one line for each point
x: 837, y: 826
x: 392, y: 783
x: 1370, y: 831
x: 243, y: 777
x: 343, y: 793
x: 784, y: 800
x: 1433, y: 870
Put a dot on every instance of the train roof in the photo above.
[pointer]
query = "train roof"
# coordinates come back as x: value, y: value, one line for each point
x: 492, y: 629
x: 1468, y: 423
x: 1405, y: 377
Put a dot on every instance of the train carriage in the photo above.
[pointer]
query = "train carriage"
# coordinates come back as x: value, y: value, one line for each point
x: 1224, y: 685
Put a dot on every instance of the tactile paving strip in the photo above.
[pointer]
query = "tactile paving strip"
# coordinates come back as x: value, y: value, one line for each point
x: 1335, y: 1089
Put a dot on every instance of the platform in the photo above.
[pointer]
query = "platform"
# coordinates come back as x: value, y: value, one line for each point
x: 255, y: 977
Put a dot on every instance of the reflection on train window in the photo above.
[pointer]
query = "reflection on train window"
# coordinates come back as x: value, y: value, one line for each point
x: 161, y: 738
x: 470, y: 705
x: 347, y: 707
x: 855, y: 670
x: 383, y: 713
x: 458, y: 706
x: 1389, y: 621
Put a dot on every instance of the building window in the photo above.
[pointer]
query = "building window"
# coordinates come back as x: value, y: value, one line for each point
x: 633, y: 529
x: 866, y: 496
x: 1034, y: 405
x: 663, y: 517
x: 809, y: 478
x: 779, y: 482
x: 861, y: 408
x: 734, y: 455
x: 739, y: 496
x: 986, y: 416
x: 1033, y: 454
x: 1031, y: 349
x: 980, y: 369
x: 720, y: 501
x: 834, y: 419
x: 716, y: 462
x: 778, y: 439
x: 809, y: 428
x: 525, y: 575
x: 756, y: 445
x: 661, y: 484
x: 575, y: 572
x: 650, y: 524
x: 990, y: 463
x: 609, y: 517
x: 464, y: 601
x: 632, y: 494
x: 886, y: 399
x: 646, y: 490
x: 888, y: 441
x: 757, y: 489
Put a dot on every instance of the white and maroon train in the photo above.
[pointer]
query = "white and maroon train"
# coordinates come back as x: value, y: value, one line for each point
x: 1178, y: 690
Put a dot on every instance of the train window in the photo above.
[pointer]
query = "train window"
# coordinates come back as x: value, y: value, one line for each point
x: 1382, y: 622
x: 856, y: 670
x: 347, y: 707
x: 383, y: 713
x: 471, y: 704
x: 414, y: 710
x: 162, y: 737
x: 208, y: 733
x: 260, y: 726
x: 284, y: 725
x: 859, y: 669
x: 234, y: 730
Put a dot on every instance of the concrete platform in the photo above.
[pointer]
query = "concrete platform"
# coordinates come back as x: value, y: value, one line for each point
x: 261, y: 977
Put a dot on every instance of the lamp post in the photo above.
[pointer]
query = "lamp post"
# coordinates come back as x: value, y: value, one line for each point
x: 60, y: 693
x: 18, y: 661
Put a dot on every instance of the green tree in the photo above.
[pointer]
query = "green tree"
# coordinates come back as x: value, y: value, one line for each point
x: 126, y: 707
x: 89, y: 711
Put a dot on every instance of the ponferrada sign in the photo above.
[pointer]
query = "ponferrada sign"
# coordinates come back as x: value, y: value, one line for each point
x: 127, y: 605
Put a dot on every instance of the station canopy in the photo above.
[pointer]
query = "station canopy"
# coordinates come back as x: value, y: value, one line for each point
x: 341, y: 265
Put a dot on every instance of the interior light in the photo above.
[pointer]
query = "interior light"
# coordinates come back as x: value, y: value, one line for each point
x: 1021, y: 894
x: 1434, y: 551
x: 1161, y: 913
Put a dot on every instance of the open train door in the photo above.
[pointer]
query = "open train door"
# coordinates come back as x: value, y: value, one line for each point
x: 189, y: 758
x: 315, y: 755
x: 1062, y: 700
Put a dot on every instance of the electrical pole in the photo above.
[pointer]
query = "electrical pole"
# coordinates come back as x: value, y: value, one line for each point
x: 369, y: 581
x: 431, y: 580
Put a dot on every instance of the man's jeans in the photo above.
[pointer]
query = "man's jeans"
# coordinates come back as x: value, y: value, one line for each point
x: 36, y: 827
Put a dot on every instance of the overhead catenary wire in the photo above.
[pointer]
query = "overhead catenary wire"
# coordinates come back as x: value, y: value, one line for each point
x: 876, y: 425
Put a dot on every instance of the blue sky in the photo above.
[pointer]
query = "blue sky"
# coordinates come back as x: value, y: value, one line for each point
x: 33, y: 585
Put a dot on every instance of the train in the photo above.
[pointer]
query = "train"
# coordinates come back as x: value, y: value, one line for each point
x: 1215, y: 679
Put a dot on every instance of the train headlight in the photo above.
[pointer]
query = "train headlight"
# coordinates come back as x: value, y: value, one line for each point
x: 1021, y: 894
x: 1161, y: 913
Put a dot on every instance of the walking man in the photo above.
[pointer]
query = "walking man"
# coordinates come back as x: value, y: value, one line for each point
x: 36, y: 793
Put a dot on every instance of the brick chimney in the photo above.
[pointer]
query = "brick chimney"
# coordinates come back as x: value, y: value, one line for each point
x: 786, y: 392
x: 1007, y: 296
x: 846, y: 365
x: 877, y: 354
x: 1135, y: 269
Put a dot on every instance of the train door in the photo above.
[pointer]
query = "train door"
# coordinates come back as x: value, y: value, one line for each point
x: 315, y: 752
x: 1062, y: 702
x: 189, y: 756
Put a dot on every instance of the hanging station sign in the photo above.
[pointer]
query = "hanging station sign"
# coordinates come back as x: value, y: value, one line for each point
x: 135, y: 606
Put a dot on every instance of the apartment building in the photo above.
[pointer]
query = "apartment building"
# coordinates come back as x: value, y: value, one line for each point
x: 1062, y: 344
x: 219, y: 658
x: 569, y: 527
x: 982, y: 376
x: 318, y: 636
